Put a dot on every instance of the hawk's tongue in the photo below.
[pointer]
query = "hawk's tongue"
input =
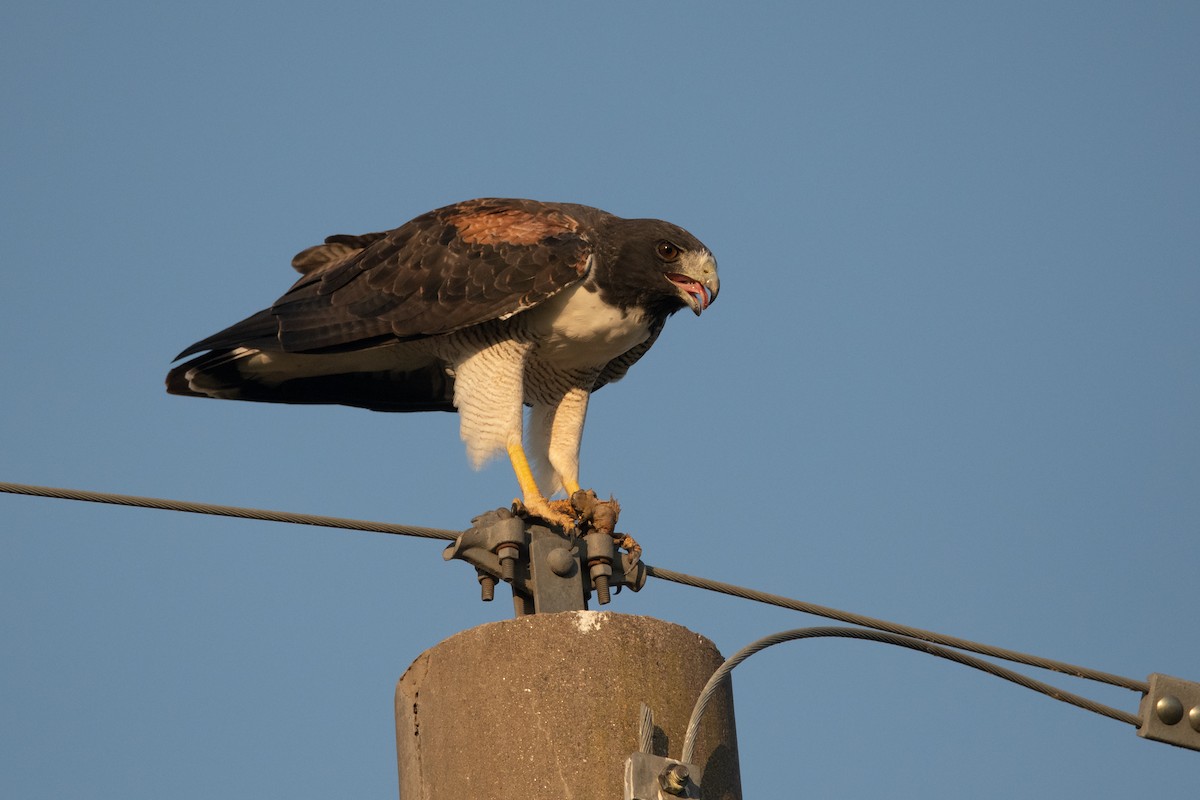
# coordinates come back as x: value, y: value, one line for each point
x: 694, y: 288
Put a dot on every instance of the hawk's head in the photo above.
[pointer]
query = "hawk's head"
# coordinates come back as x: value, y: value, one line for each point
x: 660, y: 267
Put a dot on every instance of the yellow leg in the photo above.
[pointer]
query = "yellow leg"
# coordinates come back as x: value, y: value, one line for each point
x: 571, y: 486
x: 531, y: 494
x: 537, y: 505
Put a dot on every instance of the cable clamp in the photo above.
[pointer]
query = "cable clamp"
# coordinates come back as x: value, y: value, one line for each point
x: 1170, y: 712
x: 651, y: 777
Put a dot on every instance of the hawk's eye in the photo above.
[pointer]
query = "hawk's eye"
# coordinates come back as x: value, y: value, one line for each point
x: 667, y: 251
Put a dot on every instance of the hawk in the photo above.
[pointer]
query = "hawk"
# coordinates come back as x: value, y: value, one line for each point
x: 483, y: 307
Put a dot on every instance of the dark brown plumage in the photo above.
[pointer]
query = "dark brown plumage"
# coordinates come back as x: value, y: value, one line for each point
x: 480, y: 306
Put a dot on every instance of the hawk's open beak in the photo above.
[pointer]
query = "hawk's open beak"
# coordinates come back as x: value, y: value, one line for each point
x: 697, y: 280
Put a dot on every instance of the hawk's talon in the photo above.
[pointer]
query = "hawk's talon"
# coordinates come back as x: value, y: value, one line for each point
x: 599, y: 515
x: 563, y: 507
x: 629, y: 545
x: 583, y: 512
x: 545, y: 511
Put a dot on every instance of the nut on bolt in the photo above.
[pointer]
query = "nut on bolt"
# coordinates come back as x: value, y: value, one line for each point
x: 674, y: 779
x: 600, y: 572
x: 599, y: 560
x: 508, y: 554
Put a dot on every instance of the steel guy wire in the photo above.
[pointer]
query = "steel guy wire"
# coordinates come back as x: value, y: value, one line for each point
x: 718, y: 677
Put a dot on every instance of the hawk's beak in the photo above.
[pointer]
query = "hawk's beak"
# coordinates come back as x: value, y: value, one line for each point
x: 696, y: 281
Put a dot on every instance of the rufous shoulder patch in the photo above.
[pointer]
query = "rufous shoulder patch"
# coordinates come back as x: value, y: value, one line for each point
x: 494, y: 226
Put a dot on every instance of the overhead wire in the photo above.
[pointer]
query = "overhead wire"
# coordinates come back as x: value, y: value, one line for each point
x: 229, y: 511
x: 902, y: 630
x: 722, y: 673
x: 889, y: 632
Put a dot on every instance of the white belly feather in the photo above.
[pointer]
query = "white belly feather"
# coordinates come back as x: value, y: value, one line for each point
x: 577, y: 330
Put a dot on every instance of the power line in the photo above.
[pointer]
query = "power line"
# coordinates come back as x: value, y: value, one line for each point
x: 229, y: 511
x: 901, y: 630
x: 718, y: 677
x: 657, y: 572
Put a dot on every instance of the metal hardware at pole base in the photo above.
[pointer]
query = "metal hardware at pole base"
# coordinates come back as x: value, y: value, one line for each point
x: 650, y: 777
x: 1170, y: 712
x: 548, y: 570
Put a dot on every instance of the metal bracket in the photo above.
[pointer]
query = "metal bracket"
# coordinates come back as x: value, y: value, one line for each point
x: 650, y: 777
x: 1170, y: 712
x: 547, y: 570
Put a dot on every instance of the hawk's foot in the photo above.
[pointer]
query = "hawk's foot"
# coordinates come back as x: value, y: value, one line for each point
x: 583, y: 512
x: 599, y: 515
x: 545, y: 510
x: 563, y: 507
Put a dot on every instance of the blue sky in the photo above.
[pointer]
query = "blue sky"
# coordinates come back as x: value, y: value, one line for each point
x: 951, y: 379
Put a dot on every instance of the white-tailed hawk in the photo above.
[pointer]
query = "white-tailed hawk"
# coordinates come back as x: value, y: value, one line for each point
x: 483, y: 307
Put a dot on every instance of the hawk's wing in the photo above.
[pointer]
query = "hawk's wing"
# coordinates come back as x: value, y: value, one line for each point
x: 449, y: 269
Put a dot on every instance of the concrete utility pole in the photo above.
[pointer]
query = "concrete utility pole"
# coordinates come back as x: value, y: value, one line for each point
x: 547, y: 706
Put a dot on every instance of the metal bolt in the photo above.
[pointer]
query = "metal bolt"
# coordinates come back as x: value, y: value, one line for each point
x: 1169, y: 709
x: 508, y: 561
x: 674, y: 779
x: 562, y: 563
x: 487, y: 587
x: 601, y: 583
x: 1194, y: 718
x: 599, y: 569
x: 599, y: 560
